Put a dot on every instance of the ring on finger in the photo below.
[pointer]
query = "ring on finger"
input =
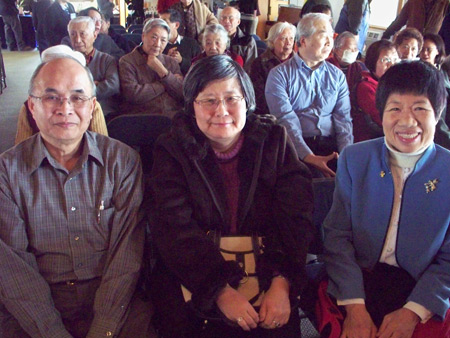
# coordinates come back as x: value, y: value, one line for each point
x: 240, y: 319
x: 277, y: 324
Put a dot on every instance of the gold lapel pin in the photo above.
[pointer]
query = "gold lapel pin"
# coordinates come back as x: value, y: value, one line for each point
x: 431, y: 185
x: 382, y: 173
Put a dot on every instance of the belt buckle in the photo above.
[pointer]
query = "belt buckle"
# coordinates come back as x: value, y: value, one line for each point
x: 70, y: 282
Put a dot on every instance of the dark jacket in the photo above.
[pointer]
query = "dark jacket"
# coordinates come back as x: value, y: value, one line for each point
x: 188, y: 199
x: 56, y: 21
x: 104, y: 43
x: 8, y: 7
x: 245, y: 46
x: 259, y: 71
x: 188, y: 49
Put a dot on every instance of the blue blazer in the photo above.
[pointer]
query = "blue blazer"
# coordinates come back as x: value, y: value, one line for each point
x: 356, y: 227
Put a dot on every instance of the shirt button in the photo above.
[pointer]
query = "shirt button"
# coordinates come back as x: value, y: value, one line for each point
x: 80, y: 265
x: 73, y: 208
x: 77, y: 238
x: 108, y: 333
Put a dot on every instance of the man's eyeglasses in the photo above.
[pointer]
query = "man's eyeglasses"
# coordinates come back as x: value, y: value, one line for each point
x: 54, y: 101
x: 212, y: 104
x: 230, y: 18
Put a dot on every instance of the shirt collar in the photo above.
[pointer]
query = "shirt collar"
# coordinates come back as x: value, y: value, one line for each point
x: 90, y: 56
x: 302, y: 64
x: 40, y: 153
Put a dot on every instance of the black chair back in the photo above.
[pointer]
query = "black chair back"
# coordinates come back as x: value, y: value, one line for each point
x: 139, y: 132
x: 135, y: 38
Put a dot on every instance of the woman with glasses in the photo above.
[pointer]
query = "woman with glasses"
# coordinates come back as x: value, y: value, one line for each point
x: 409, y: 42
x: 225, y: 171
x: 380, y: 56
x: 387, y: 235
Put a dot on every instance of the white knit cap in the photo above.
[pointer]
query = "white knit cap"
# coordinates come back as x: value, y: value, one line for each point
x: 62, y: 51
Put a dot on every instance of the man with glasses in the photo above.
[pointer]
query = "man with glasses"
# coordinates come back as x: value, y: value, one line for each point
x: 103, y: 66
x: 310, y: 97
x: 240, y: 43
x: 71, y: 240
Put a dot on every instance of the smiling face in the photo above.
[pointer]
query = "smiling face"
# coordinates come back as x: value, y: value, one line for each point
x: 316, y: 48
x: 62, y: 124
x: 213, y: 44
x: 81, y: 37
x: 429, y: 52
x: 155, y: 40
x: 222, y: 125
x: 283, y: 44
x: 409, y: 122
x: 408, y: 49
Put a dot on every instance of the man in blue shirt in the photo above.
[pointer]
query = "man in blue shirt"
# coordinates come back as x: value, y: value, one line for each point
x: 310, y: 97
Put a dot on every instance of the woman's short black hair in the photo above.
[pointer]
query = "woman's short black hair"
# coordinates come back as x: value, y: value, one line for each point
x: 214, y: 68
x: 412, y: 77
x: 374, y: 51
x: 440, y: 46
x: 409, y: 33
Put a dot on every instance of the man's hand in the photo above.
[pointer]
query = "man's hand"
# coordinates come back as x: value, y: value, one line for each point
x: 237, y: 309
x: 398, y: 324
x: 173, y: 52
x: 275, y: 307
x: 154, y: 63
x: 357, y: 323
x: 320, y: 162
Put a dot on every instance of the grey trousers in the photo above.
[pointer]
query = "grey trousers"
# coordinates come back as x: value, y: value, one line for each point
x: 75, y: 304
x: 13, y: 32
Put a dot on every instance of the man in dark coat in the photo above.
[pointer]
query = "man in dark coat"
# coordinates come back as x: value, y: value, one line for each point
x: 182, y: 48
x: 39, y: 9
x: 55, y: 25
x: 13, y: 28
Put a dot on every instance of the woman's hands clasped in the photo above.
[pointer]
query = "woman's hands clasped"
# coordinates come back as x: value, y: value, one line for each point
x: 274, y: 312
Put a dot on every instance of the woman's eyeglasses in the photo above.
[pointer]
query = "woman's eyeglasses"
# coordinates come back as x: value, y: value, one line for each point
x: 212, y: 104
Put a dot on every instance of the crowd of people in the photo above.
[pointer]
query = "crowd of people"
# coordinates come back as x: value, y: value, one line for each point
x: 252, y: 130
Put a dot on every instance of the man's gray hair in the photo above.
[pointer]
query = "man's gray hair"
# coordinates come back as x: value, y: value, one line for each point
x: 83, y: 19
x: 340, y: 39
x: 215, y: 29
x: 39, y: 68
x: 277, y: 29
x: 150, y: 24
x: 306, y: 28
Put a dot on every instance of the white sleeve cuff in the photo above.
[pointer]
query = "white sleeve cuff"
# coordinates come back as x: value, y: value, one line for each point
x: 343, y: 302
x: 419, y: 310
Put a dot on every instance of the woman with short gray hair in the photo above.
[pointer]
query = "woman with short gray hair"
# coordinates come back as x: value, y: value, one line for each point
x: 215, y: 41
x: 280, y: 43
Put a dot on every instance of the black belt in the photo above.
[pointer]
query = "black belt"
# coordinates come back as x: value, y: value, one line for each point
x: 74, y: 282
x: 318, y: 138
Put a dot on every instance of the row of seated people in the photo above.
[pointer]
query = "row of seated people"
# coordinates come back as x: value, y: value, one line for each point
x: 72, y: 244
x: 151, y: 81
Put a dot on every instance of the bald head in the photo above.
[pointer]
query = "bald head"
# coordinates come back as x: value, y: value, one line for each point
x: 62, y: 68
x: 230, y: 18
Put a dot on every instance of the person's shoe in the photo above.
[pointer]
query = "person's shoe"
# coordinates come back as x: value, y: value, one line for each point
x: 27, y: 49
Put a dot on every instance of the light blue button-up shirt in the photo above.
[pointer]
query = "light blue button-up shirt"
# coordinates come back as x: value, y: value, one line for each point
x: 310, y: 102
